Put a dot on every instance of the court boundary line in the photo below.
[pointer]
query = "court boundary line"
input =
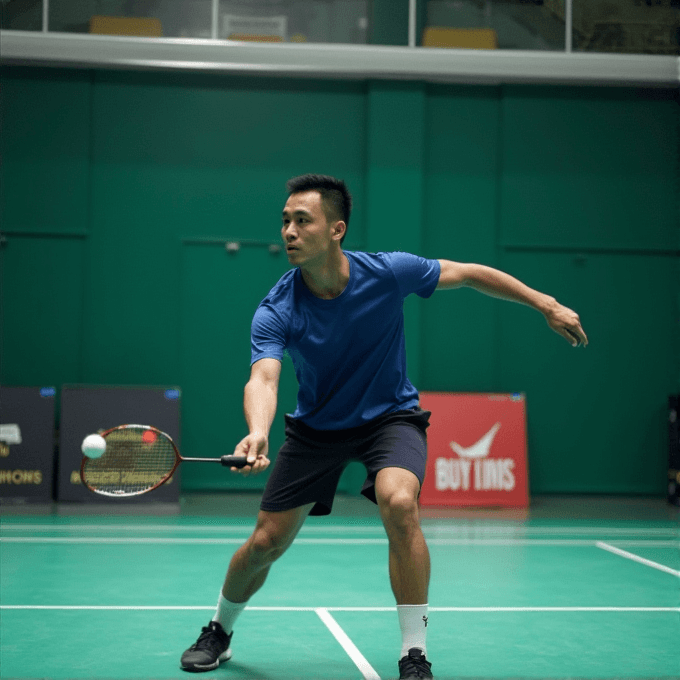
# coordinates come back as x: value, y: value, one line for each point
x: 520, y: 530
x: 346, y: 643
x: 470, y: 610
x: 132, y: 540
x: 636, y: 558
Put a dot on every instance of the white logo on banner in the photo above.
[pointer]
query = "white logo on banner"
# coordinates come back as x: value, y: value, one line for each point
x: 474, y: 469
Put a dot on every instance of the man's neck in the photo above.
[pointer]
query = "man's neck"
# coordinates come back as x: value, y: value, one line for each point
x: 328, y: 279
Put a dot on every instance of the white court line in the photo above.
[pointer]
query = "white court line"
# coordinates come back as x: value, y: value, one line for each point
x: 132, y: 540
x: 465, y: 529
x: 359, y: 659
x: 470, y: 610
x: 637, y: 558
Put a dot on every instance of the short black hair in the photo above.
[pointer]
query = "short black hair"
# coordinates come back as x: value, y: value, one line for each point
x: 335, y: 197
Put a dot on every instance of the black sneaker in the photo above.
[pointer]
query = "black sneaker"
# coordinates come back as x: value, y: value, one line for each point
x: 414, y: 665
x: 206, y: 653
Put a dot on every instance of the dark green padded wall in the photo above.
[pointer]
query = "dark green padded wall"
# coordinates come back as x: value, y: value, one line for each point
x: 602, y: 410
x: 44, y: 207
x: 41, y: 282
x: 114, y: 183
x: 575, y: 192
x: 589, y: 168
x: 46, y: 124
x: 462, y: 172
x: 590, y: 180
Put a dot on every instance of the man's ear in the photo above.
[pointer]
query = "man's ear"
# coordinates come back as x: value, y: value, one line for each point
x: 339, y: 229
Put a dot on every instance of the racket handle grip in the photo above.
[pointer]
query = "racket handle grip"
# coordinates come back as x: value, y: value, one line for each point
x: 234, y: 461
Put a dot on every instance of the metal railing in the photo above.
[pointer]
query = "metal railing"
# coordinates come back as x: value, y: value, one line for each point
x: 412, y: 21
x: 337, y: 60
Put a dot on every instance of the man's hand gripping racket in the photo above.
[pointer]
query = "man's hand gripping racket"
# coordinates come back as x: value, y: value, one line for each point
x: 255, y: 448
x: 139, y: 458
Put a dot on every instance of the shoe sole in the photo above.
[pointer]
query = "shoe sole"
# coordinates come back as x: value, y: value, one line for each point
x: 202, y: 668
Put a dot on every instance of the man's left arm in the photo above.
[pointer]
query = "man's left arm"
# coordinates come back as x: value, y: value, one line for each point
x: 561, y: 319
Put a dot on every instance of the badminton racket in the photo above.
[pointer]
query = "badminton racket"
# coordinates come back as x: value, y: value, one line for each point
x: 138, y: 459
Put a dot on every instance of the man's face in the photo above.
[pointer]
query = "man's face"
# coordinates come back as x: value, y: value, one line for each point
x: 305, y: 230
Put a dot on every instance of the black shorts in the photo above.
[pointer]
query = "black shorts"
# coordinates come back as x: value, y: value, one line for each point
x: 310, y: 462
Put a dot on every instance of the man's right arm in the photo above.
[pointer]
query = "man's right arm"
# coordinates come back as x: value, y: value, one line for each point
x: 259, y: 406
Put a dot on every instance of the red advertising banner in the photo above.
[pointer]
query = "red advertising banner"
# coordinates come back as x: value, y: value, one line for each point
x: 477, y: 451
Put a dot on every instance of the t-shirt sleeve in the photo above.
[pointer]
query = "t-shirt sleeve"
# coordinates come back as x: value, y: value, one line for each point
x: 267, y: 335
x: 414, y: 274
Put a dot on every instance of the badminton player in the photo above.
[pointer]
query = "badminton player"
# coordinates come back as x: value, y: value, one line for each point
x: 338, y: 315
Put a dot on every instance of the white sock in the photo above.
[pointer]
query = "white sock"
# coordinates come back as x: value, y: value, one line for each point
x: 227, y: 613
x: 413, y: 624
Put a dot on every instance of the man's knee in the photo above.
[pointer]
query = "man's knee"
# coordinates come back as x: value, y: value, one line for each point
x: 274, y: 533
x: 400, y: 507
x: 397, y: 494
x: 266, y: 547
x: 400, y: 514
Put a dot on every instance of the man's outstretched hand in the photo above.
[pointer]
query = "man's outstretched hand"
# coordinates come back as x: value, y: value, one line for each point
x: 566, y: 323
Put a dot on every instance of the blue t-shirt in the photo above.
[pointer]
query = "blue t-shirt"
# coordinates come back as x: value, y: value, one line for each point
x: 349, y: 353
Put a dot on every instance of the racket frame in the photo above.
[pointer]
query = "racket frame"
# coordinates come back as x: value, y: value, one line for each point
x: 226, y: 461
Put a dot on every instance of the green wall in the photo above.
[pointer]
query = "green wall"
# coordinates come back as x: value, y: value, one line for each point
x: 118, y: 189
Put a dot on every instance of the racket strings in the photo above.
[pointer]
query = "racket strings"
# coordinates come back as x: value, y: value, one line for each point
x: 135, y: 461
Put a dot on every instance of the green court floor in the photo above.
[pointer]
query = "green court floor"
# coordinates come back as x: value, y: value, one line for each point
x: 563, y: 593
